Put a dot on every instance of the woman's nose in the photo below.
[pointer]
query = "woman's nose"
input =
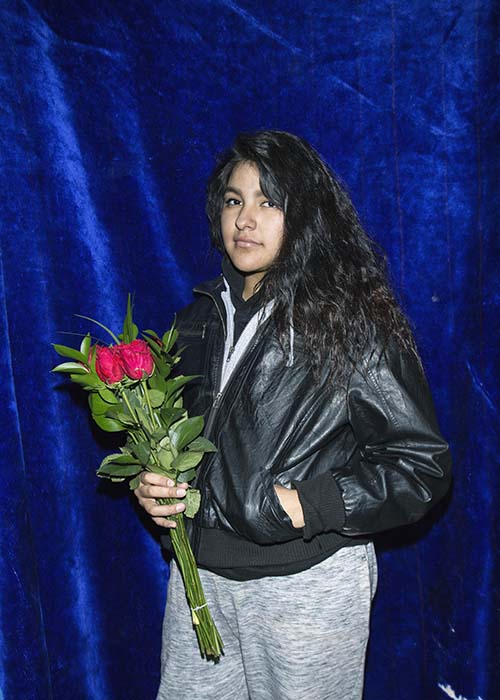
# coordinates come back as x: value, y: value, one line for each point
x: 246, y: 218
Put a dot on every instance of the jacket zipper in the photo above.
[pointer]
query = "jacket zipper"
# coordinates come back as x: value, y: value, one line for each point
x: 209, y: 424
x: 221, y: 392
x: 219, y: 377
x: 199, y: 481
x: 213, y: 410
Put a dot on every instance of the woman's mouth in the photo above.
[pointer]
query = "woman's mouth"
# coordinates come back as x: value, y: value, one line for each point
x: 246, y: 243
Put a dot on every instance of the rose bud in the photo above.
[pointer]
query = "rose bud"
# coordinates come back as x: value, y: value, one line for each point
x: 108, y: 365
x: 136, y: 359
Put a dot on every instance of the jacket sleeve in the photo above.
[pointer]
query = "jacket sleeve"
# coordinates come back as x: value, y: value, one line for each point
x: 401, y: 466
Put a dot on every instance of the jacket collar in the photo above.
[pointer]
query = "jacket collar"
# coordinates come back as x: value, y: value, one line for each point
x: 235, y: 281
x: 233, y: 277
x: 211, y: 287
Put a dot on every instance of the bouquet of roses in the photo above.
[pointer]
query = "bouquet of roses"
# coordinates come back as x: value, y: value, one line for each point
x: 130, y: 389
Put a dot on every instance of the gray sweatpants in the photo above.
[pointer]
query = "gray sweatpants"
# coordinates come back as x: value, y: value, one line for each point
x: 285, y: 637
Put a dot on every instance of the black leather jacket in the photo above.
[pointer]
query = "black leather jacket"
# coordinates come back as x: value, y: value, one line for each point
x: 373, y: 451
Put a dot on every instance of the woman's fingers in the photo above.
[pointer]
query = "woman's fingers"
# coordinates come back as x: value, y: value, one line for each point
x: 160, y: 513
x: 163, y: 522
x: 155, y: 486
x: 158, y: 486
x: 159, y: 479
x: 161, y: 492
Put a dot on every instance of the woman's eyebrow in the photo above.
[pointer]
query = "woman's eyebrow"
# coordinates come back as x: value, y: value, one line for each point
x: 257, y: 193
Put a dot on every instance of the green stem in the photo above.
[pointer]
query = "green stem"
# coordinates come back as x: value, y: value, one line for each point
x: 209, y: 639
x: 145, y: 393
x: 124, y: 396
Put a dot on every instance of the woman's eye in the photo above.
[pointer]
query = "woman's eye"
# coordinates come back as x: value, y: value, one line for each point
x: 231, y: 202
x: 270, y: 204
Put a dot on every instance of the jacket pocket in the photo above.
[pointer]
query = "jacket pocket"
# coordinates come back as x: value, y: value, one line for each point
x: 275, y: 523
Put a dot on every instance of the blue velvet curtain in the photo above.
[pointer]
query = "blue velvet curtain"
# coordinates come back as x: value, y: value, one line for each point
x: 111, y: 113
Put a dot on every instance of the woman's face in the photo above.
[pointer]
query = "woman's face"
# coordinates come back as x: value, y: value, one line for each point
x: 252, y: 225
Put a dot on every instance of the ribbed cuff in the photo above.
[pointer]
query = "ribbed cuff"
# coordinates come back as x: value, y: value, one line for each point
x: 321, y: 503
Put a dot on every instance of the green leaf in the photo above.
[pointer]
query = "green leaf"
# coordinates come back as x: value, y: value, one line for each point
x: 85, y: 345
x: 163, y: 366
x: 70, y: 352
x: 186, y: 476
x: 160, y: 469
x: 142, y: 450
x: 108, y: 424
x: 124, y: 418
x: 108, y: 395
x: 143, y: 418
x: 133, y: 399
x: 159, y: 434
x: 130, y: 330
x: 119, y: 470
x: 120, y: 458
x: 186, y: 460
x: 173, y: 386
x: 153, y: 334
x: 171, y: 415
x: 88, y: 380
x: 119, y: 465
x: 71, y: 368
x: 153, y: 346
x: 183, y: 433
x: 97, y: 405
x: 201, y: 444
x: 156, y: 398
x: 157, y: 382
x: 169, y: 339
x: 166, y: 458
x: 135, y: 482
x: 192, y: 501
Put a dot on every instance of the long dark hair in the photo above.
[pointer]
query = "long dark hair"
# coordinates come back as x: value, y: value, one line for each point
x: 329, y: 279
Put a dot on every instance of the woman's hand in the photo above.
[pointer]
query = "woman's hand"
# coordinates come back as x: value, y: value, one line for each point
x: 289, y: 499
x: 155, y: 486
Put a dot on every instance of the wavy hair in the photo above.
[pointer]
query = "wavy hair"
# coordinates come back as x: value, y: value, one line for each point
x: 329, y: 279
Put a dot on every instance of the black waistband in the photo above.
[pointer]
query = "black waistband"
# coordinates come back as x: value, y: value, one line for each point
x: 240, y: 559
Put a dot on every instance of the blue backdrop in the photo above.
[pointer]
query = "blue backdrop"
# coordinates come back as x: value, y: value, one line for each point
x: 110, y: 114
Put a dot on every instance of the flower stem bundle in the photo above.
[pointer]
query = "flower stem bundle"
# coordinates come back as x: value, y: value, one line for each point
x: 131, y: 389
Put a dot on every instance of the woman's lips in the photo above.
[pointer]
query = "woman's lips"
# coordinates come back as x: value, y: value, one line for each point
x: 245, y: 243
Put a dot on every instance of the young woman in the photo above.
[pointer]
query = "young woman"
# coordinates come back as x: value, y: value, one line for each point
x: 314, y: 394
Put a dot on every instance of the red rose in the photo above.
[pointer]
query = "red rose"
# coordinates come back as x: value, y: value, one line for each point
x: 108, y: 365
x: 136, y: 359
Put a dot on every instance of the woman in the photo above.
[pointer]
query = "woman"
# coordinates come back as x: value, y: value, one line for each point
x: 313, y: 391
